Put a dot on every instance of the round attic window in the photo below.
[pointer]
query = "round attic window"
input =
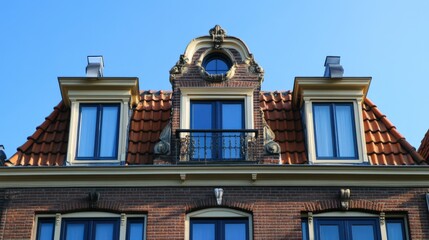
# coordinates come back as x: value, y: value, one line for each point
x: 217, y: 64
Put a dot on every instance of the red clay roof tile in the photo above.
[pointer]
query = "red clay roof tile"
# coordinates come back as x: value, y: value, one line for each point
x: 424, y: 147
x: 385, y: 145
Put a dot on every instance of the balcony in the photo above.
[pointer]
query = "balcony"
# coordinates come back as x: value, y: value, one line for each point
x: 215, y: 145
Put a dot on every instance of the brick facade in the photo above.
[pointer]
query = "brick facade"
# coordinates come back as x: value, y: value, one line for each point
x: 276, y: 211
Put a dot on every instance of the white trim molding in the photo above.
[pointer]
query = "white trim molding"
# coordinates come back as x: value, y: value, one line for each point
x: 310, y: 90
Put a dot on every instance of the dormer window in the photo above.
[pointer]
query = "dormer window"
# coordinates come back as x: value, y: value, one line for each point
x: 217, y: 63
x: 334, y: 130
x: 98, y: 131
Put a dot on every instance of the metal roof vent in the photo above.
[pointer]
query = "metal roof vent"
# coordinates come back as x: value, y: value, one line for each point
x: 95, y: 66
x: 333, y: 68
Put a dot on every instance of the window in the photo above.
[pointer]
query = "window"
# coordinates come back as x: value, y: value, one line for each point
x: 98, y: 131
x: 328, y: 227
x: 219, y: 122
x: 80, y: 226
x: 218, y: 224
x: 219, y: 229
x: 216, y: 64
x: 334, y: 130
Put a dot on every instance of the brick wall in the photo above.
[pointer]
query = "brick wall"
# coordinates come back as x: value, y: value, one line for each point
x: 276, y: 210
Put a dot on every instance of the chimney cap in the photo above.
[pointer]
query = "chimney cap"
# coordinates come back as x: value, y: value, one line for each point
x: 333, y: 68
x: 95, y: 66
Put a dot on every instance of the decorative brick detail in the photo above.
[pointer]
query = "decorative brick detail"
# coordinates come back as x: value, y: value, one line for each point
x: 335, y: 205
x: 211, y: 203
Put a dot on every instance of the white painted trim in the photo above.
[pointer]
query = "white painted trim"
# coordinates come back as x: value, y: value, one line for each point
x: 188, y: 94
x: 215, y: 175
x: 58, y: 224
x: 217, y: 213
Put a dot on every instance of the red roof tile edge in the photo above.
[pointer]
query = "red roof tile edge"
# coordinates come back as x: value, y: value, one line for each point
x: 424, y: 147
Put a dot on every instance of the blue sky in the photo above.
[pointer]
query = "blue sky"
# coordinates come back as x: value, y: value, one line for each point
x: 42, y: 40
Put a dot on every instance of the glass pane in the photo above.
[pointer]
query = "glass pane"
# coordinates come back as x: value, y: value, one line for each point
x: 345, y: 131
x: 360, y: 232
x: 109, y: 131
x: 75, y: 231
x: 104, y: 231
x: 203, y: 231
x: 202, y: 118
x: 232, y: 118
x: 235, y: 231
x: 222, y: 67
x: 45, y: 231
x: 304, y: 229
x: 135, y: 231
x: 395, y: 230
x: 323, y: 131
x: 88, y: 124
x: 329, y: 232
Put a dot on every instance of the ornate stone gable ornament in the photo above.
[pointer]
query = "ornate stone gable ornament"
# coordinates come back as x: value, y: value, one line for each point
x: 217, y: 34
x: 179, y: 68
x: 255, y: 68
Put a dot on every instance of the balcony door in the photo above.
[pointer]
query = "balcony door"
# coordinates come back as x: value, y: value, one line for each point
x: 218, y: 122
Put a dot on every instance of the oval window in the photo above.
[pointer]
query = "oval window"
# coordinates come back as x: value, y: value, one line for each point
x: 216, y: 64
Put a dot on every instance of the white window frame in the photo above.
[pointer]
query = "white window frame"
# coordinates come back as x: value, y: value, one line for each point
x: 122, y: 133
x: 91, y: 215
x: 190, y: 94
x: 382, y: 220
x: 362, y: 156
x: 217, y: 213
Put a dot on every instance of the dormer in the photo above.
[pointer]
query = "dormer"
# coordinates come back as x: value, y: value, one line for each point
x: 331, y: 108
x: 99, y: 115
x: 216, y: 115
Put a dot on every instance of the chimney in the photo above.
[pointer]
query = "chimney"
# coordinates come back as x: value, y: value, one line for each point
x: 333, y: 68
x: 2, y: 155
x: 95, y: 66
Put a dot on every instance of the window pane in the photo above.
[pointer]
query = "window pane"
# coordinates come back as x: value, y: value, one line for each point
x: 45, y: 230
x: 360, y: 232
x: 135, y: 229
x: 323, y: 130
x: 75, y: 231
x: 222, y: 67
x: 395, y: 229
x: 104, y: 231
x: 109, y: 131
x: 235, y: 231
x: 202, y: 118
x: 232, y: 118
x: 304, y: 229
x: 87, y: 131
x: 329, y: 232
x: 345, y: 131
x: 203, y: 231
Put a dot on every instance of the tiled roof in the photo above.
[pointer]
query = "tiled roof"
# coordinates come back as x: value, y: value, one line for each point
x: 424, y: 147
x: 48, y: 145
x: 151, y: 115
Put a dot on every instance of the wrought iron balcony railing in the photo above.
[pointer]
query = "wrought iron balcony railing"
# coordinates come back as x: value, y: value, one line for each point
x: 215, y: 145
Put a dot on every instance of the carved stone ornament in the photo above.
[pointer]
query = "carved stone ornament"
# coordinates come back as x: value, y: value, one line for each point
x: 255, y: 68
x: 345, y: 198
x: 218, y: 35
x: 217, y: 77
x: 270, y: 146
x: 163, y: 146
x: 179, y: 68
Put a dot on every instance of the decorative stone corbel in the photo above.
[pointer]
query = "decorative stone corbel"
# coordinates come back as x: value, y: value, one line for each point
x: 270, y: 146
x: 93, y: 198
x: 218, y: 35
x: 179, y: 67
x: 345, y: 198
x: 163, y: 146
x: 382, y: 218
x: 255, y: 68
x: 218, y: 194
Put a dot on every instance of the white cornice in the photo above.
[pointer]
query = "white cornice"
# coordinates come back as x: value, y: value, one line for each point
x: 215, y: 175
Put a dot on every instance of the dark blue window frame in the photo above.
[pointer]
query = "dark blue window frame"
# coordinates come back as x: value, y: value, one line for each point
x: 97, y: 143
x: 345, y: 226
x: 135, y: 221
x: 401, y: 223
x: 220, y: 225
x: 216, y: 121
x: 90, y: 224
x: 40, y: 223
x: 217, y: 63
x: 334, y: 125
